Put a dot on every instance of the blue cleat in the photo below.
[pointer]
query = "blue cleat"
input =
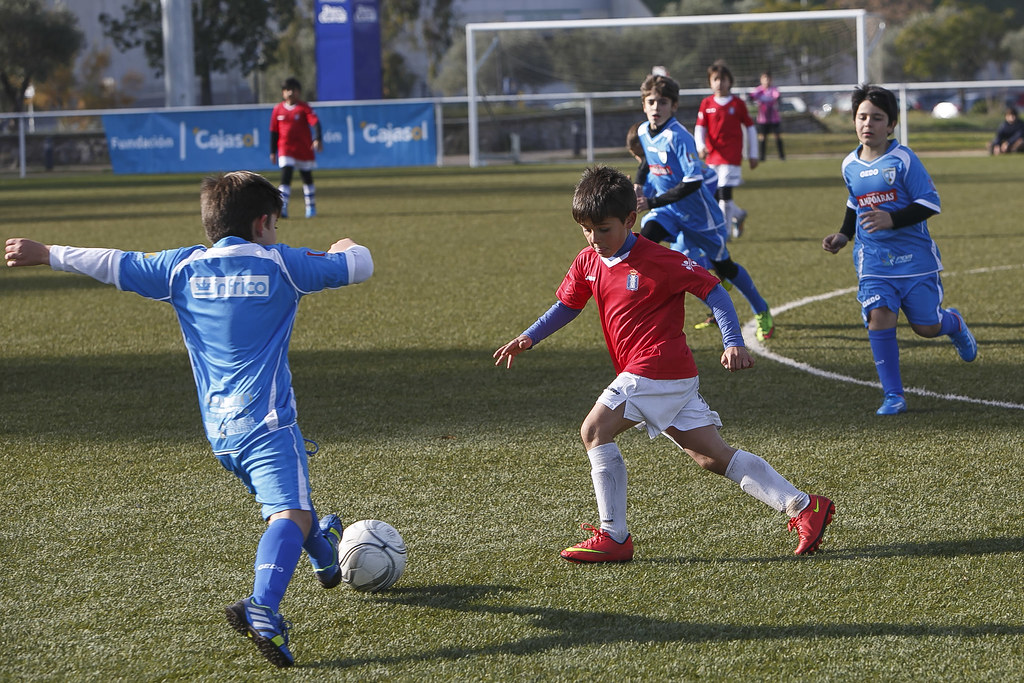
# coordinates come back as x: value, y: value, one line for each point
x: 894, y: 404
x: 330, y: 527
x: 963, y: 340
x: 265, y: 627
x: 310, y: 211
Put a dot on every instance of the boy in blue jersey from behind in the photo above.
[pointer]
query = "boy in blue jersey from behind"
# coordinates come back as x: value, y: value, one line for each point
x: 682, y: 201
x: 891, y: 198
x: 236, y: 304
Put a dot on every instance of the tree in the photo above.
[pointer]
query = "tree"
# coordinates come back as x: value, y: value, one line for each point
x: 34, y: 42
x: 227, y: 34
x: 410, y: 27
x: 954, y: 42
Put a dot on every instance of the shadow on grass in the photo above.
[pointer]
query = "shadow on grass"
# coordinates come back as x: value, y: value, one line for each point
x: 956, y: 548
x: 568, y: 628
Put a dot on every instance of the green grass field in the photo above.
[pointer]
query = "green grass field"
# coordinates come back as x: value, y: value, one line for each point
x: 123, y: 538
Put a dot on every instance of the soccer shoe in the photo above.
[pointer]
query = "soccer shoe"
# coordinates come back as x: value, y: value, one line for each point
x: 765, y: 325
x: 963, y: 340
x: 737, y: 223
x: 310, y: 211
x: 267, y: 630
x: 284, y: 211
x: 894, y: 404
x: 704, y: 324
x: 330, y: 527
x: 810, y: 524
x: 600, y: 548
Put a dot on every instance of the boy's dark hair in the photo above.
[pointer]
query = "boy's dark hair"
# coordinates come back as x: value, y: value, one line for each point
x: 633, y: 140
x: 720, y: 68
x: 878, y: 96
x: 291, y: 84
x: 661, y: 86
x: 601, y: 193
x: 230, y: 203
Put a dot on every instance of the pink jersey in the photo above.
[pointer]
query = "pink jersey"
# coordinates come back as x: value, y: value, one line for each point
x: 724, y: 124
x: 767, y: 101
x: 293, y: 127
x: 640, y: 301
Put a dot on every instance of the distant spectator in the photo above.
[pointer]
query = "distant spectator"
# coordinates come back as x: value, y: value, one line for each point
x: 1010, y: 134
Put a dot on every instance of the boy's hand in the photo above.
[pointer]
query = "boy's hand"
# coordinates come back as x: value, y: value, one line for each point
x: 753, y: 163
x: 736, y: 358
x: 834, y: 242
x: 341, y: 245
x: 876, y: 220
x: 509, y: 351
x: 23, y: 252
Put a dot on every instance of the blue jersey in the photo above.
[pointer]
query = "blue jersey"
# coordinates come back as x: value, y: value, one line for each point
x: 891, y: 182
x: 236, y: 304
x: 672, y: 158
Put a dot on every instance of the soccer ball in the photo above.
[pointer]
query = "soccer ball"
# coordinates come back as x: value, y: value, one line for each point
x: 371, y: 555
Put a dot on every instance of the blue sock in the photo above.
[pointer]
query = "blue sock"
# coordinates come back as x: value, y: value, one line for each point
x: 276, y: 557
x: 746, y: 286
x: 887, y: 359
x: 320, y: 551
x: 950, y: 323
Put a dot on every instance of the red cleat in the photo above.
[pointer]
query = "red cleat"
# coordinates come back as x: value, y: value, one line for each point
x: 811, y: 522
x: 600, y: 548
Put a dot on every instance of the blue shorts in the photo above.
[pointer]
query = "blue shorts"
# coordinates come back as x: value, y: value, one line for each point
x: 274, y: 468
x: 711, y: 242
x: 919, y: 297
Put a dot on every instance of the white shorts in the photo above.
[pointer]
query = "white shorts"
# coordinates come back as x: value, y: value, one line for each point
x: 729, y: 176
x: 292, y: 161
x: 658, y: 404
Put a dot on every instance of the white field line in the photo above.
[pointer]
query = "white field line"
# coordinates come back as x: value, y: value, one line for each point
x: 758, y: 347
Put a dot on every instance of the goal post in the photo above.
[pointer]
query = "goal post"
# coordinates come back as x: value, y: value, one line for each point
x: 758, y: 28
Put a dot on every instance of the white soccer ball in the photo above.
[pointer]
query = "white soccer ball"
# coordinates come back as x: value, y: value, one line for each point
x: 371, y: 555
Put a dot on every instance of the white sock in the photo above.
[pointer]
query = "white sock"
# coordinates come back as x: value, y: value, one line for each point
x: 608, y: 471
x: 758, y: 479
x: 309, y: 193
x: 286, y: 193
x: 728, y: 208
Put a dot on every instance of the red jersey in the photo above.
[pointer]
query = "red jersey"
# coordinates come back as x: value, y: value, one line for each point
x: 293, y: 124
x: 640, y: 302
x: 725, y: 124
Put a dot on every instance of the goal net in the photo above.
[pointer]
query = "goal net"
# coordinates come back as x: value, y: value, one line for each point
x: 610, y: 58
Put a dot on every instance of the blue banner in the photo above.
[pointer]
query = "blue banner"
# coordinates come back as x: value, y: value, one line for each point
x: 348, y: 52
x: 355, y: 136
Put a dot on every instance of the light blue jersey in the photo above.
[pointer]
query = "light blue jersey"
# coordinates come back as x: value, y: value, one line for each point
x: 894, y: 181
x: 236, y: 303
x: 672, y: 159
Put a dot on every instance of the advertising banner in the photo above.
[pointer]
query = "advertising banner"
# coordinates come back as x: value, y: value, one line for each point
x: 355, y: 136
x: 348, y: 57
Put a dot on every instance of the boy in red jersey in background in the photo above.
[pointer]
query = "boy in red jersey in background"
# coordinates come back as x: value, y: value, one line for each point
x: 640, y: 287
x: 292, y: 144
x: 722, y: 121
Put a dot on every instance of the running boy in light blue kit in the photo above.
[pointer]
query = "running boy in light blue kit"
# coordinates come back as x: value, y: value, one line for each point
x: 236, y: 303
x: 682, y: 201
x: 891, y: 199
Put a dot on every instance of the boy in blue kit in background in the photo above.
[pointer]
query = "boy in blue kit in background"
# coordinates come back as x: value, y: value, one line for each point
x: 640, y: 289
x: 682, y: 202
x: 236, y: 304
x: 891, y: 198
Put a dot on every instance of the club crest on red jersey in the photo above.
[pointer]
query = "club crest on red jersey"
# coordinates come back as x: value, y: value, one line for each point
x: 633, y: 281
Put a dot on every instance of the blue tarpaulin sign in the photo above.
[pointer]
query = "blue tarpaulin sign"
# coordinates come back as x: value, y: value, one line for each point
x: 355, y: 136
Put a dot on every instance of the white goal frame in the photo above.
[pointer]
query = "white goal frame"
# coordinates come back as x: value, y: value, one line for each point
x: 859, y: 15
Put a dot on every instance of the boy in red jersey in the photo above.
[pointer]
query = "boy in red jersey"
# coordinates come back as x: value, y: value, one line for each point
x: 292, y: 145
x: 721, y: 122
x: 639, y: 287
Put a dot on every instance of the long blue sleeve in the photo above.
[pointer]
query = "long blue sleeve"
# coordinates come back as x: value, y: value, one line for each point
x: 721, y: 306
x: 557, y: 317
